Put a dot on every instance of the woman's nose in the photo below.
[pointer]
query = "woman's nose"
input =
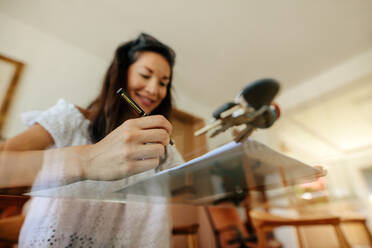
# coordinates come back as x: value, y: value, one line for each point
x: 152, y: 87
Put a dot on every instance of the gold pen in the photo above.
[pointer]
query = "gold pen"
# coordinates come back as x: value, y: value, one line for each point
x: 134, y: 105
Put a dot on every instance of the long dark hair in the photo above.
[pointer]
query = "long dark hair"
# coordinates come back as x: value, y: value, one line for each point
x: 108, y: 111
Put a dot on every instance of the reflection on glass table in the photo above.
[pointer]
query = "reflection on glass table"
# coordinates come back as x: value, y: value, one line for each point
x: 227, y: 173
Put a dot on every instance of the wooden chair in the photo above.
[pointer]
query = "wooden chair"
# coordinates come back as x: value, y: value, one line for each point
x: 228, y: 227
x: 230, y: 230
x: 190, y: 231
x: 264, y: 221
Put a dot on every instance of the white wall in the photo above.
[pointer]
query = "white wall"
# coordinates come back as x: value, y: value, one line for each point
x: 54, y: 69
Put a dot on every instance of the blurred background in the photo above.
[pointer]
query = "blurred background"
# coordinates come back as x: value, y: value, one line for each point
x: 320, y: 51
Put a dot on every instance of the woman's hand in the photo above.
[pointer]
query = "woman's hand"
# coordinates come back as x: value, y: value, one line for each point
x: 133, y: 147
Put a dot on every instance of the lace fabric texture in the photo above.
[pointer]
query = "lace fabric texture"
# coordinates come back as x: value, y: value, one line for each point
x: 88, y: 223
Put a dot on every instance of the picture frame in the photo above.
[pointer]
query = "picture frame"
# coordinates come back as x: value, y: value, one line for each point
x: 10, y: 74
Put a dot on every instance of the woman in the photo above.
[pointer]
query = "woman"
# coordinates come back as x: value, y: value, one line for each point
x: 103, y: 142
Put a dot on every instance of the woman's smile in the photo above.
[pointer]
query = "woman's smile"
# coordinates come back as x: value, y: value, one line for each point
x: 143, y: 101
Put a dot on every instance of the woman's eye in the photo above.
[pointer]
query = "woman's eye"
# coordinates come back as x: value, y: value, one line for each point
x: 145, y: 76
x: 163, y: 84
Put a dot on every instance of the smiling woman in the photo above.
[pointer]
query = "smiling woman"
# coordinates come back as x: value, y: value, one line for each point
x: 10, y: 72
x: 130, y: 70
x: 104, y: 141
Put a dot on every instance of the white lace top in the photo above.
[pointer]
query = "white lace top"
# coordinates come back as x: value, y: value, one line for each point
x: 87, y: 223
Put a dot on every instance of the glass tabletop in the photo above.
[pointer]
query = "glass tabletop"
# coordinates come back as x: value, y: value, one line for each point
x: 227, y: 173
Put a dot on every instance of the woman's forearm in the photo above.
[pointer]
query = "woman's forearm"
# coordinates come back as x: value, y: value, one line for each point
x: 19, y: 168
x: 54, y: 166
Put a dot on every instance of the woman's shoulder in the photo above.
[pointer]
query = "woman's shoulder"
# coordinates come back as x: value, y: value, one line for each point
x: 64, y: 121
x: 59, y: 112
x: 70, y: 109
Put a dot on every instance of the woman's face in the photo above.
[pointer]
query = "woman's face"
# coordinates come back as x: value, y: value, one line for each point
x: 148, y: 79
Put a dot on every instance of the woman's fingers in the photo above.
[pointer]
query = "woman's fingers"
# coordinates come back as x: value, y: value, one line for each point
x: 150, y: 122
x: 159, y: 136
x: 149, y: 129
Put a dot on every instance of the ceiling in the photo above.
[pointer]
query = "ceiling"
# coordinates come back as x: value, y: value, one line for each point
x: 221, y: 46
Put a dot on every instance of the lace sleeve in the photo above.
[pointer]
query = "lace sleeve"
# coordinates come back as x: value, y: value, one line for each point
x: 62, y: 121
